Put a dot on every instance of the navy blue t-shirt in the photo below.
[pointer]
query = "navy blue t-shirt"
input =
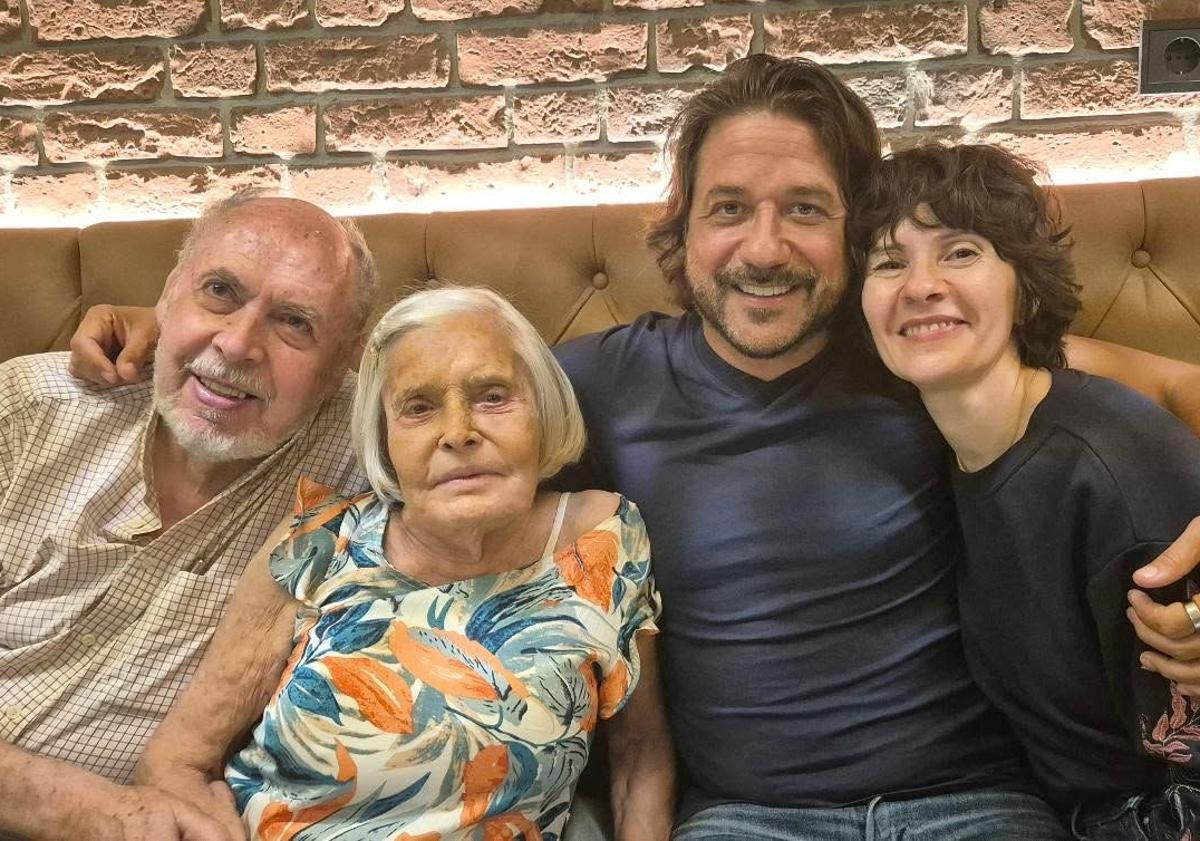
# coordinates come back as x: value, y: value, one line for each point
x: 804, y: 541
x: 1102, y: 481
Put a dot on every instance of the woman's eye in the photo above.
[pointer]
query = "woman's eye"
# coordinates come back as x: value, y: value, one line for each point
x: 884, y: 266
x: 494, y: 397
x: 417, y: 408
x: 964, y: 252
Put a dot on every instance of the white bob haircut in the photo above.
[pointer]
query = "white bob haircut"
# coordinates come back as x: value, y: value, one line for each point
x: 559, y: 420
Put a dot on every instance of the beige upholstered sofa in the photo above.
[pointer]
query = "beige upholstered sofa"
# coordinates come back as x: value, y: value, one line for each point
x: 575, y: 270
x: 579, y: 269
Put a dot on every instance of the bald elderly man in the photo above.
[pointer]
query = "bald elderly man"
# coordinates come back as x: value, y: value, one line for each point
x: 127, y: 515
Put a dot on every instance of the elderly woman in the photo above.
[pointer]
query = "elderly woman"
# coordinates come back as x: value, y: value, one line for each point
x: 428, y: 660
x: 1065, y: 483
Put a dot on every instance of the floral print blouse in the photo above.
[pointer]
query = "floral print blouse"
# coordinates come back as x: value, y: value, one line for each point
x: 464, y: 711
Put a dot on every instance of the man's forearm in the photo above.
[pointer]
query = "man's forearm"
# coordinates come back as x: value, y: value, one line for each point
x: 41, y: 795
x: 643, y: 791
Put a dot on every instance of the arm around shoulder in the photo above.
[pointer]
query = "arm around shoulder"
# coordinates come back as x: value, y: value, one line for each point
x: 1173, y: 384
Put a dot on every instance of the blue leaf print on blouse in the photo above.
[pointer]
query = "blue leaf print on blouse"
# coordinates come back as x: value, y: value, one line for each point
x: 308, y: 691
x: 351, y: 637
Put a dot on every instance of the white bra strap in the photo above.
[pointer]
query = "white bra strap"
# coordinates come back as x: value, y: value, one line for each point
x: 558, y: 521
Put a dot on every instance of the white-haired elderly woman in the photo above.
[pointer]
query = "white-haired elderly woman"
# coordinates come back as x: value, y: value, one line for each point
x: 428, y: 660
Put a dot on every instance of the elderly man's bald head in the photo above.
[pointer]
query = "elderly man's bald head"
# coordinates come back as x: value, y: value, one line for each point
x: 311, y: 222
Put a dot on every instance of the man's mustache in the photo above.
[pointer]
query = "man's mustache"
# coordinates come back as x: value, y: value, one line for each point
x: 756, y: 276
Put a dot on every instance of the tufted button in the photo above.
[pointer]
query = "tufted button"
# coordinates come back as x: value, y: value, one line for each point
x: 599, y: 280
x: 1140, y: 258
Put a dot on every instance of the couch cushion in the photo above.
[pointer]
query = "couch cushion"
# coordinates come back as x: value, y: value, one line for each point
x: 39, y: 274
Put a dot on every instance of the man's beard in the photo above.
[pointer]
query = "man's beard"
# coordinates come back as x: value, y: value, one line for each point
x: 821, y: 307
x: 204, y: 440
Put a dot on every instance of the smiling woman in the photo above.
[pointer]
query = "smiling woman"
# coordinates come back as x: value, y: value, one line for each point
x: 967, y: 289
x: 429, y: 660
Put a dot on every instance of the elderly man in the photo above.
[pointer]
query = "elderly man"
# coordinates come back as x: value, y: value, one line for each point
x: 128, y: 515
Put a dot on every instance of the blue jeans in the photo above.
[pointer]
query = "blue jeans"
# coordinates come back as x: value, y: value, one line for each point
x: 979, y: 815
x: 1169, y: 815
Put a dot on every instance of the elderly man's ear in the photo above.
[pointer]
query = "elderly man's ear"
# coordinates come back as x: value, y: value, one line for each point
x: 113, y: 345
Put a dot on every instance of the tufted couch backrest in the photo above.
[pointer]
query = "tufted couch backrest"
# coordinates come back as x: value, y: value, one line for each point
x: 578, y: 269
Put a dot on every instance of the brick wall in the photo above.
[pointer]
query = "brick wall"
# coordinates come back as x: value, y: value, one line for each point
x: 150, y: 107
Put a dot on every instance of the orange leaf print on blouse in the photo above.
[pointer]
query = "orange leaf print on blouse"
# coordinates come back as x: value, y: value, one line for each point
x: 424, y: 836
x: 310, y: 495
x: 482, y: 775
x: 613, y: 689
x: 588, y: 670
x: 589, y: 566
x: 453, y: 664
x: 279, y: 823
x: 383, y: 697
x: 511, y: 827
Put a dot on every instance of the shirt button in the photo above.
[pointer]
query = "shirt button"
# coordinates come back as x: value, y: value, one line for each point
x: 14, y: 714
x: 88, y: 640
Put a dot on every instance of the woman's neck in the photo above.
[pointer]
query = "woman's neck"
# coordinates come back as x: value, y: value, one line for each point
x: 983, y: 419
x: 436, y: 553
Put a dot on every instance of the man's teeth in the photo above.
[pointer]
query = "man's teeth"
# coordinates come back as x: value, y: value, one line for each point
x: 221, y: 390
x: 922, y: 329
x: 763, y: 291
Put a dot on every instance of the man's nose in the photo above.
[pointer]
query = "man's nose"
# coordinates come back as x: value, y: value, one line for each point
x: 764, y: 245
x: 240, y: 337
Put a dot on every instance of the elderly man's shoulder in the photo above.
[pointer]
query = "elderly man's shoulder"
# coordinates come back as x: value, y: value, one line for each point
x: 44, y: 378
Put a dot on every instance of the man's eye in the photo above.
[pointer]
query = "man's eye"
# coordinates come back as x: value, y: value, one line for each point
x: 417, y: 408
x: 219, y: 289
x: 727, y: 209
x: 805, y: 209
x: 297, y: 324
x: 494, y: 397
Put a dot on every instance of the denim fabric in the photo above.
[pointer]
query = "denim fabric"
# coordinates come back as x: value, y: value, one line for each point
x: 979, y: 815
x: 1169, y: 815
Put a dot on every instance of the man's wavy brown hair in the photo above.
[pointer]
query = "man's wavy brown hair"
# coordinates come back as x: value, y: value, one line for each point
x: 795, y: 88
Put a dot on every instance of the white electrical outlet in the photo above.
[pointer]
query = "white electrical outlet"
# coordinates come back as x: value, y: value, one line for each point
x: 1170, y: 56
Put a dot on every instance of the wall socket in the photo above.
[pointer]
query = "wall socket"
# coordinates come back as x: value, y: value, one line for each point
x: 1169, y: 61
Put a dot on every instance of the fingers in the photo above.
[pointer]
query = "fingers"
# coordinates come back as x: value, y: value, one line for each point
x: 226, y: 810
x: 1168, y: 620
x: 194, y: 825
x: 139, y: 333
x: 1186, y: 676
x: 1176, y: 561
x: 1176, y: 654
x: 89, y: 357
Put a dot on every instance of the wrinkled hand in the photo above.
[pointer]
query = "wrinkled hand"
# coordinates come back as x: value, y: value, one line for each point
x: 112, y: 345
x: 142, y: 813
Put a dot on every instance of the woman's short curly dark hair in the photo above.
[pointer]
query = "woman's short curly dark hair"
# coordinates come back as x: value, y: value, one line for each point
x: 796, y: 88
x: 992, y: 193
